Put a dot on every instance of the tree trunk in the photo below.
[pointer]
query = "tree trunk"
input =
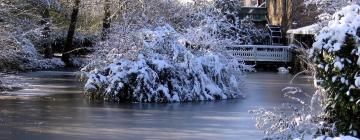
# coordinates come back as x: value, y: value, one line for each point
x: 106, y: 20
x: 45, y: 33
x: 70, y: 36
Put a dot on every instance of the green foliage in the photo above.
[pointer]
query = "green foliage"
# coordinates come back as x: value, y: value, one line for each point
x: 342, y: 106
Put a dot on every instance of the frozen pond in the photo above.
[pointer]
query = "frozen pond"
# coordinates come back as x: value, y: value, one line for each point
x: 53, y: 107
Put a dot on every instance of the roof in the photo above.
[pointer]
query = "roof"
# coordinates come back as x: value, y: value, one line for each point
x: 307, y: 30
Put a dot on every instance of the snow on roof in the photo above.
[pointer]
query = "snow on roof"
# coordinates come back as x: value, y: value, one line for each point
x: 307, y: 30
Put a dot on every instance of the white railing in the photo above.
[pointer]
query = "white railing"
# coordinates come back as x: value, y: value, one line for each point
x: 265, y: 53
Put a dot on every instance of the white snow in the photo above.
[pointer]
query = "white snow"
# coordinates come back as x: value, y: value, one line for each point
x: 328, y: 138
x: 340, y: 58
x: 339, y: 65
x: 345, y: 21
x: 283, y: 70
x: 151, y: 58
x: 311, y: 29
x: 357, y: 82
x: 331, y: 39
x: 186, y: 1
x: 22, y: 54
x: 337, y: 138
x: 157, y: 76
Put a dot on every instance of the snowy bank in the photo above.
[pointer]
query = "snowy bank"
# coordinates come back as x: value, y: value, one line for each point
x: 337, y: 138
x: 330, y: 138
x: 19, y: 53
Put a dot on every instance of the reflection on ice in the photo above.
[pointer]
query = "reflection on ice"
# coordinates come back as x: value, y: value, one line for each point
x: 56, y: 109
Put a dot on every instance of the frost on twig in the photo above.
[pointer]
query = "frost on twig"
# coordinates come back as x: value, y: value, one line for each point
x: 294, y: 121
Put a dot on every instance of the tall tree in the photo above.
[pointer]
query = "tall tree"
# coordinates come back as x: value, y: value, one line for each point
x: 45, y: 32
x: 106, y: 20
x: 70, y: 36
x: 44, y: 7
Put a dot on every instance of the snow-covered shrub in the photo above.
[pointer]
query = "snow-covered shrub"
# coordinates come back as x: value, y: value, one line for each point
x: 165, y: 70
x: 336, y: 54
x: 336, y: 138
x: 11, y: 56
x: 251, y: 34
x: 326, y: 8
x: 330, y: 6
x: 201, y: 23
x: 151, y: 57
x: 240, y: 29
x: 200, y: 19
x: 18, y: 53
x: 280, y: 124
x: 20, y: 36
x: 303, y: 120
x: 336, y: 101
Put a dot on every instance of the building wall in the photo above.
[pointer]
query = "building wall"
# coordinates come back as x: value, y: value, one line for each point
x: 289, y: 14
x: 277, y: 10
x: 286, y: 13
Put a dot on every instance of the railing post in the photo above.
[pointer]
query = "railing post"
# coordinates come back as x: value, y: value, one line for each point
x: 255, y: 53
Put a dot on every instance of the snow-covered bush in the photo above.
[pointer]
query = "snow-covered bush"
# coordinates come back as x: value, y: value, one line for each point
x: 241, y: 29
x: 251, y: 34
x: 18, y: 53
x: 152, y: 57
x: 20, y: 36
x: 335, y: 58
x: 302, y: 120
x: 164, y: 71
x: 336, y: 138
x: 9, y: 56
x: 326, y: 8
x: 330, y: 6
x: 336, y: 54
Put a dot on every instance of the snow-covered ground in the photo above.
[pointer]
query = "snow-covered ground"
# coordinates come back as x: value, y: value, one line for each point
x: 10, y: 82
x: 337, y: 138
x: 20, y: 54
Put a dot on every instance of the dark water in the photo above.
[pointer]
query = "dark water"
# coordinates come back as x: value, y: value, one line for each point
x: 52, y: 107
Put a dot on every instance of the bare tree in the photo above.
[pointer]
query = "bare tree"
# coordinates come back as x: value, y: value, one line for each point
x: 45, y: 32
x: 70, y: 36
x: 106, y: 20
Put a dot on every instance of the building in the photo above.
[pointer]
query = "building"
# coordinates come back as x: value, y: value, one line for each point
x: 279, y: 15
x: 290, y: 14
x: 253, y: 3
x: 304, y: 36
